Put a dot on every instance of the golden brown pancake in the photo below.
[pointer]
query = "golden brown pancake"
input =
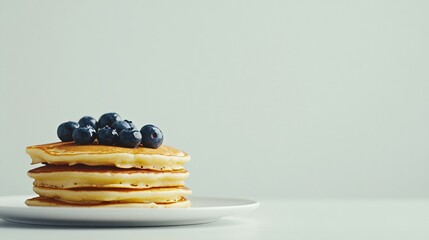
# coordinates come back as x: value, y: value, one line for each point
x: 50, y: 202
x: 64, y: 176
x: 69, y: 153
x: 90, y: 195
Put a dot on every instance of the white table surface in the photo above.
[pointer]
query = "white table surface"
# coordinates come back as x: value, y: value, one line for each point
x: 275, y: 219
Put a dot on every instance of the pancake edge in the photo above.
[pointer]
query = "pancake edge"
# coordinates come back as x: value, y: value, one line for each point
x: 107, y: 179
x: 127, y: 160
x: 93, y: 195
x: 44, y: 202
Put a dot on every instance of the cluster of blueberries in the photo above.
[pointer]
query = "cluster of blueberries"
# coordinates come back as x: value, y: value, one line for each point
x: 110, y: 130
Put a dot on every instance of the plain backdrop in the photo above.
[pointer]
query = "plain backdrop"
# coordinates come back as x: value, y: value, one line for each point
x: 270, y: 98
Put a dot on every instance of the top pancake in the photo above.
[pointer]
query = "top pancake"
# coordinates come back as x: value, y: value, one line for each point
x: 69, y: 153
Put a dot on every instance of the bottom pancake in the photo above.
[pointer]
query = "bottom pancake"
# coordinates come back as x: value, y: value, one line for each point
x: 49, y: 202
x: 94, y: 195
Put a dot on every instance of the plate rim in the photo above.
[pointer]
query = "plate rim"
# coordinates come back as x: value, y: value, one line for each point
x: 250, y: 202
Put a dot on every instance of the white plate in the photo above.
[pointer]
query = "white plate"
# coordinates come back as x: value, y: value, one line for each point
x: 203, y: 210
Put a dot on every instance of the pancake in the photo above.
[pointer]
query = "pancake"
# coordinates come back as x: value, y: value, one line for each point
x: 94, y: 195
x: 49, y: 202
x: 69, y: 153
x: 63, y: 176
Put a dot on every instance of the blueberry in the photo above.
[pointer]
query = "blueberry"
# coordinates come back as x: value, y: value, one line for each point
x: 107, y: 136
x: 120, y: 125
x: 131, y: 124
x: 88, y: 121
x: 65, y: 131
x: 152, y: 136
x: 84, y: 135
x: 108, y: 119
x: 129, y: 138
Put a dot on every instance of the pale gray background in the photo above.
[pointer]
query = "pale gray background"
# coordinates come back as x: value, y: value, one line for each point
x: 270, y: 98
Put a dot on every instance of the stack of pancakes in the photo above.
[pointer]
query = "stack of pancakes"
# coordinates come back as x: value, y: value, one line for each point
x: 108, y: 176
